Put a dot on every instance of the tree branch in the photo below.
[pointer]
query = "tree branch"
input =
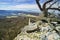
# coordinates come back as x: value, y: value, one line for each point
x: 37, y: 1
x: 59, y: 7
x: 53, y: 9
x: 53, y: 4
x: 44, y: 5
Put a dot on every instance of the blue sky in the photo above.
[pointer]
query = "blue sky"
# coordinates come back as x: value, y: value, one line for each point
x: 26, y: 5
x: 19, y: 5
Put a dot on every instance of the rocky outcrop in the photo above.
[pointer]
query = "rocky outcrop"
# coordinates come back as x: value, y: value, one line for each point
x: 46, y: 32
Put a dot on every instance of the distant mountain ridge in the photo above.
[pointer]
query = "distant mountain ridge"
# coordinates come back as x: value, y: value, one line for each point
x: 15, y: 12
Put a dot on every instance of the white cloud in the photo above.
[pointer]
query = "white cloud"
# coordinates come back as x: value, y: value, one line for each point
x: 22, y: 7
x: 25, y: 6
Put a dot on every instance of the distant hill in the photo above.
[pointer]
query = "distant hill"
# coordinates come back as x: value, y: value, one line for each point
x: 15, y: 12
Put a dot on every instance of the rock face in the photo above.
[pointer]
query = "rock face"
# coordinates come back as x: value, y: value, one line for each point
x: 28, y: 36
x: 45, y: 32
x: 32, y: 26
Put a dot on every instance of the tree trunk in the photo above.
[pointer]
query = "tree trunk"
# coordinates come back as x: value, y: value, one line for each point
x: 45, y: 12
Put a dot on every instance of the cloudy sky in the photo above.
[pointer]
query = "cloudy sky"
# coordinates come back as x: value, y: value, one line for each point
x: 18, y: 5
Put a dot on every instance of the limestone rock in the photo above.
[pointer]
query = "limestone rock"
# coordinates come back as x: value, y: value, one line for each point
x: 28, y: 36
x: 46, y: 33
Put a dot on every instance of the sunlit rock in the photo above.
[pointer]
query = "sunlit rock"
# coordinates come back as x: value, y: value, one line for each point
x: 46, y: 32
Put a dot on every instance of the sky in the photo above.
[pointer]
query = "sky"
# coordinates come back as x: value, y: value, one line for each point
x: 19, y: 5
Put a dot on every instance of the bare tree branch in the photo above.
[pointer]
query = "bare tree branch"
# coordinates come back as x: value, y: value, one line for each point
x: 53, y: 9
x: 59, y: 7
x: 39, y: 5
x: 44, y: 9
x: 44, y: 5
x: 53, y: 4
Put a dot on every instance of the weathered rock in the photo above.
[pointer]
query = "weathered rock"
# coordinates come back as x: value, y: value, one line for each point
x: 30, y: 27
x: 53, y: 36
x: 46, y: 32
x: 28, y: 36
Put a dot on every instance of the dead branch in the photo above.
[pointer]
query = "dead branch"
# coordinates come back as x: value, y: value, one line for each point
x: 44, y: 5
x: 39, y: 5
x: 53, y: 4
x: 53, y: 9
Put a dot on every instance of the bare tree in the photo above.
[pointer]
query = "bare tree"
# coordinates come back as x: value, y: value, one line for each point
x: 45, y: 9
